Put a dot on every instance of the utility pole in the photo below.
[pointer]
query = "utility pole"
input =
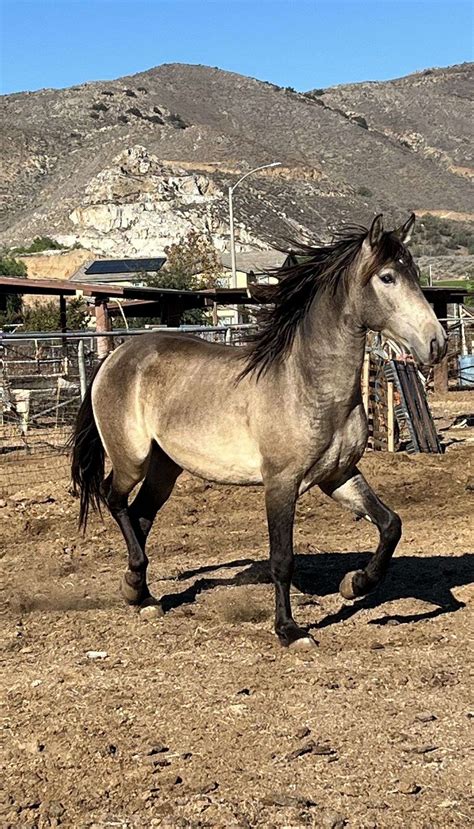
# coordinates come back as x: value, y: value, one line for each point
x: 231, y: 216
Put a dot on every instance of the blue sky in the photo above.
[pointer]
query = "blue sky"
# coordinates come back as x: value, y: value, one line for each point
x: 299, y: 43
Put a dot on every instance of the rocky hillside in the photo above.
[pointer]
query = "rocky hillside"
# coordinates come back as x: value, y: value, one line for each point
x: 127, y: 166
x: 429, y: 113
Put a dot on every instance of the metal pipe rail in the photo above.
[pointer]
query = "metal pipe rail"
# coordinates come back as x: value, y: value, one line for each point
x: 119, y: 332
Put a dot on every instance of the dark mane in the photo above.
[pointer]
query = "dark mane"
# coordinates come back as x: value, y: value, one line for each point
x: 323, y: 269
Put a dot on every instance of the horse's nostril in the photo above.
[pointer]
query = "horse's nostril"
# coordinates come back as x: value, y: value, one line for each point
x: 438, y: 347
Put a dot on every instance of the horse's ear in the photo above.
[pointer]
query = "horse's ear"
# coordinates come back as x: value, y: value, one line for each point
x: 375, y: 233
x: 405, y: 231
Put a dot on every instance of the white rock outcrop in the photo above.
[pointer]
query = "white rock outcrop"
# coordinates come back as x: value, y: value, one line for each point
x: 139, y: 206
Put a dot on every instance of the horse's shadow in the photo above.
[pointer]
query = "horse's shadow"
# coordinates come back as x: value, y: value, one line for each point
x: 426, y: 578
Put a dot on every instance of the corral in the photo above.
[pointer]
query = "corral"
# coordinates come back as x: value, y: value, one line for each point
x: 188, y: 713
x: 199, y: 718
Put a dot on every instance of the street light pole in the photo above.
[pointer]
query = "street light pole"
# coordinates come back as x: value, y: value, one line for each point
x: 232, y: 239
x: 231, y: 216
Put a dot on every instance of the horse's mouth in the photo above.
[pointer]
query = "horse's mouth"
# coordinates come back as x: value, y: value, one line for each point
x: 425, y: 359
x: 403, y: 344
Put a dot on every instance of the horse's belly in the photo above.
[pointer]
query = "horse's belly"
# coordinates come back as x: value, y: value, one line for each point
x: 224, y: 461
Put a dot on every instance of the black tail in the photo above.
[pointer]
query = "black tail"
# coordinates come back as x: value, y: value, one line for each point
x: 87, y: 458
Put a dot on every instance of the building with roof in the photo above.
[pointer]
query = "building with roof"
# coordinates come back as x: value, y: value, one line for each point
x: 117, y: 271
x: 251, y: 268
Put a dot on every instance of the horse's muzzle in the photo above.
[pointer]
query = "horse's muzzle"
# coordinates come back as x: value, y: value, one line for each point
x: 438, y: 347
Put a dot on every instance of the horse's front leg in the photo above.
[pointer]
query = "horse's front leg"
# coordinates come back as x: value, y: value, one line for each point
x: 280, y: 501
x: 354, y: 492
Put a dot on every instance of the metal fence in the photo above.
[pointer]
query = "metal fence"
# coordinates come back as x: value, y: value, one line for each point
x: 43, y: 377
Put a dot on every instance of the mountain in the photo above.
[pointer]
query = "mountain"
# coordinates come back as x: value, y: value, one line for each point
x: 126, y: 166
x: 429, y: 112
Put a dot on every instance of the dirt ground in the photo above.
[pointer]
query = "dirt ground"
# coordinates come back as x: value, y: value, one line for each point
x: 199, y: 718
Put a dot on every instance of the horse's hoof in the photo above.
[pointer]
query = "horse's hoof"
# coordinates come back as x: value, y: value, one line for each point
x: 133, y: 594
x: 305, y: 643
x: 292, y: 636
x: 151, y: 611
x: 354, y: 584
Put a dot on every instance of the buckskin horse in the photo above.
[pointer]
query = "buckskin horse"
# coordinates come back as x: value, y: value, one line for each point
x: 284, y: 411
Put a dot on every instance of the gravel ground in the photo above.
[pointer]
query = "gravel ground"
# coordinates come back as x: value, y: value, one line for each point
x: 199, y: 718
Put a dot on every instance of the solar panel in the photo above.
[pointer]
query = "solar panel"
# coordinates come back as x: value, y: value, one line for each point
x: 109, y: 266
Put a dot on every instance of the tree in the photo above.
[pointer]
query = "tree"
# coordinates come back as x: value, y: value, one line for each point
x: 11, y: 304
x: 44, y: 316
x: 192, y: 264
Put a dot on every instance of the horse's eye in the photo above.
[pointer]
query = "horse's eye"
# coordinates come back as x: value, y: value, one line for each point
x: 387, y: 278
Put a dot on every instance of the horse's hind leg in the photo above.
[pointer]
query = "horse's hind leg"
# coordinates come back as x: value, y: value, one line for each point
x: 116, y: 490
x: 154, y: 492
x: 137, y: 520
x: 355, y: 493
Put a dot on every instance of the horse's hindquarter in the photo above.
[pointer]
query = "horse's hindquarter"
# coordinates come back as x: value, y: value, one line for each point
x: 197, y: 412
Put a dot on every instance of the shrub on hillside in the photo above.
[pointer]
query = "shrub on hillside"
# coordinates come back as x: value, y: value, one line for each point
x: 39, y: 244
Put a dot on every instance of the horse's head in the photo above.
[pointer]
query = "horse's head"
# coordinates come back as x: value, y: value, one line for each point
x: 389, y: 298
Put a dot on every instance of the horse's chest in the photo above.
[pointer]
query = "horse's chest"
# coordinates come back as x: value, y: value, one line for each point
x: 341, y: 453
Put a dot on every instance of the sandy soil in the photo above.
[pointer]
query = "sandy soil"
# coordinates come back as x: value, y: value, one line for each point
x: 200, y: 719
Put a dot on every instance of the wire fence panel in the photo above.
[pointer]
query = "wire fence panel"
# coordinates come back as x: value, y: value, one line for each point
x: 43, y: 378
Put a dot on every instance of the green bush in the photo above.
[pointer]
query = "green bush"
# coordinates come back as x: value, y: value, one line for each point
x: 39, y: 244
x: 11, y: 304
x: 314, y: 93
x: 435, y: 236
x: 44, y: 316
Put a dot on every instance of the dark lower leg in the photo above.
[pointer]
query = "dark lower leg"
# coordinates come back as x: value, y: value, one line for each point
x: 280, y: 505
x: 134, y: 585
x: 154, y: 492
x: 356, y: 494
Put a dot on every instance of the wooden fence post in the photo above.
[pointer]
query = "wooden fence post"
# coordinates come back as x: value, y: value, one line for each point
x: 390, y: 418
x: 440, y: 372
x: 365, y: 382
x: 440, y: 376
x: 102, y: 323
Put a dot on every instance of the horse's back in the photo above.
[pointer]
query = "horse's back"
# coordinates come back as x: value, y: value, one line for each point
x: 176, y: 343
x: 167, y: 356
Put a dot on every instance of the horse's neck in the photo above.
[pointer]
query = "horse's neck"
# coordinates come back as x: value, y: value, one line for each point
x: 329, y: 351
